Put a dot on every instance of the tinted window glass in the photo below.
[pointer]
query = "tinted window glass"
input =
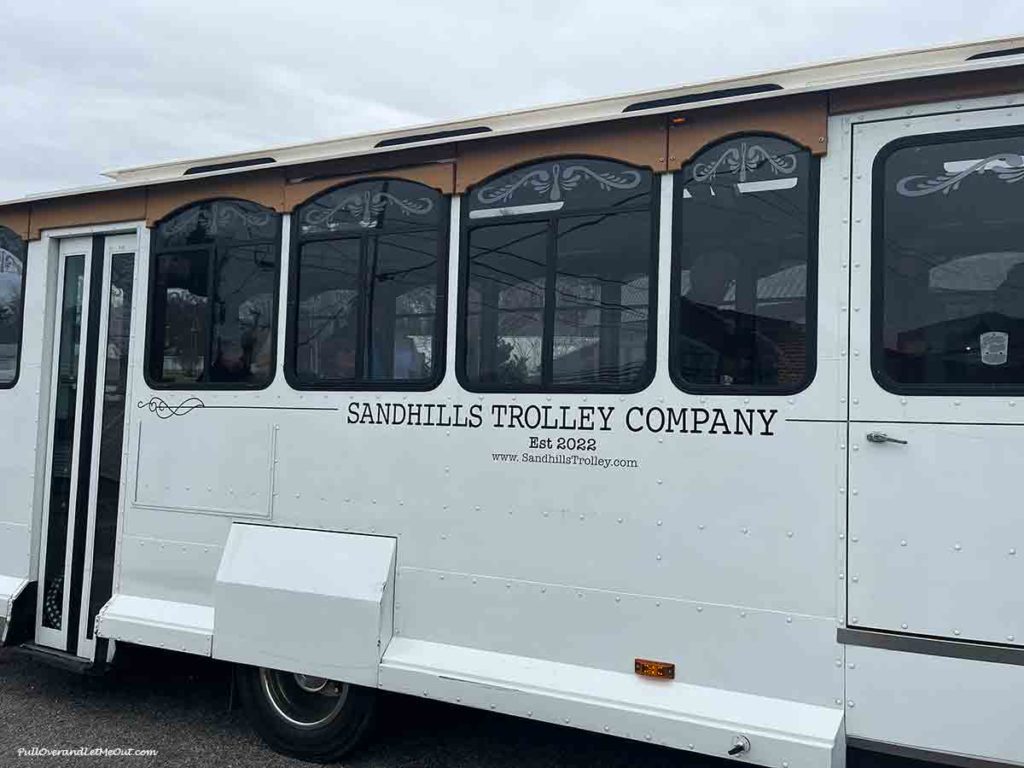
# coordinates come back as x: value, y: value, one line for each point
x: 368, y: 279
x: 555, y: 301
x: 949, y: 263
x: 505, y: 303
x: 213, y: 306
x: 744, y: 268
x: 12, y: 288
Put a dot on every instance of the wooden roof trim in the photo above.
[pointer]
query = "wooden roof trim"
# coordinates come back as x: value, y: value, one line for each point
x: 801, y: 119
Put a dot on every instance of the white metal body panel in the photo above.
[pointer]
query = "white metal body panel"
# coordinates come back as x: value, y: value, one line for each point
x: 159, y: 623
x: 676, y: 715
x: 10, y: 588
x: 968, y: 708
x: 934, y: 530
x: 24, y: 418
x: 305, y: 601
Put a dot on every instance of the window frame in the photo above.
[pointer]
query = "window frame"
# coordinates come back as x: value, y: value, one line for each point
x: 813, y: 257
x: 440, y: 345
x: 151, y: 292
x: 551, y: 219
x: 876, y: 331
x: 21, y: 310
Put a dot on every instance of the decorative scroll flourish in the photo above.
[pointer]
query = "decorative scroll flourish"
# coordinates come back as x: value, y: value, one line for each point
x: 165, y: 411
x: 214, y: 216
x: 365, y: 207
x: 1006, y: 166
x: 556, y: 181
x: 744, y: 159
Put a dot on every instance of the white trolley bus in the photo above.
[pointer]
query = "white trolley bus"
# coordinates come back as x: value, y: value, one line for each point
x: 691, y: 416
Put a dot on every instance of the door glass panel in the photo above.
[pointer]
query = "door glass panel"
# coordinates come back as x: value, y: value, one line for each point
x: 949, y: 264
x: 63, y: 440
x: 112, y: 435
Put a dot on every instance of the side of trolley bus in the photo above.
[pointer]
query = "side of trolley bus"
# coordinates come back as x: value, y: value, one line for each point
x: 690, y: 416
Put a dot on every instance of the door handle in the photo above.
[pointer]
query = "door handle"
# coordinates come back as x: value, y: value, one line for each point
x: 881, y: 437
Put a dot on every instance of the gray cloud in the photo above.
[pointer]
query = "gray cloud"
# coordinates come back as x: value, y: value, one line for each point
x: 85, y: 87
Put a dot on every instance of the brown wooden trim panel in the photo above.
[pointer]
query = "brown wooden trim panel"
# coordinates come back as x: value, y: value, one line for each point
x: 639, y: 141
x: 97, y: 208
x: 16, y: 219
x: 265, y: 188
x: 921, y: 90
x: 801, y: 119
x: 440, y: 176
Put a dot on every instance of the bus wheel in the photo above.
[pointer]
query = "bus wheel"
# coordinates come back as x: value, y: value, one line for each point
x: 303, y: 716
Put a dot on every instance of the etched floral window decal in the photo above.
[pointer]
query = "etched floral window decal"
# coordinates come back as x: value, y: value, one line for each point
x: 378, y: 204
x: 747, y: 165
x: 554, y: 185
x: 1005, y: 166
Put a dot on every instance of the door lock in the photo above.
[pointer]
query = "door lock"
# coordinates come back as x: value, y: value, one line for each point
x: 881, y: 437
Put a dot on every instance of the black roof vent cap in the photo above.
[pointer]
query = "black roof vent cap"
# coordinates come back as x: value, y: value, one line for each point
x: 690, y: 98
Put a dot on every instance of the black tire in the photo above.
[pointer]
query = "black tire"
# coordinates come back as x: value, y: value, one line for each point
x: 277, y: 705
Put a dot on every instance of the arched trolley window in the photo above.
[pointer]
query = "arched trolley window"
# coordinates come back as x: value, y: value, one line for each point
x: 558, y: 279
x: 213, y: 297
x: 12, y: 293
x: 367, y: 288
x: 744, y: 268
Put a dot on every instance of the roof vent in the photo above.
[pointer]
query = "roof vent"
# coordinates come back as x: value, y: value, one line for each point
x: 690, y: 98
x: 996, y: 54
x: 228, y: 166
x: 451, y: 134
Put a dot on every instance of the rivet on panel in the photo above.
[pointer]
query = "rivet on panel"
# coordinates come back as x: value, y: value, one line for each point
x: 842, y: 575
x: 903, y: 626
x: 903, y: 542
x: 700, y: 609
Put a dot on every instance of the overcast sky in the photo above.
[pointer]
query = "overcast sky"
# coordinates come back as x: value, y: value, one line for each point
x: 92, y: 85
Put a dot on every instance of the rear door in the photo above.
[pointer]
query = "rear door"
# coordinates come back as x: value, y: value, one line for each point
x: 936, y: 460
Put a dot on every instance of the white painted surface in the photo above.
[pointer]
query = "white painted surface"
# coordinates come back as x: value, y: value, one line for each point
x: 934, y: 529
x: 931, y: 702
x: 304, y: 601
x: 10, y: 588
x: 620, y: 703
x: 158, y: 623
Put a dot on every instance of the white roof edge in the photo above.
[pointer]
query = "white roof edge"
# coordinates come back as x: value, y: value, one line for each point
x: 877, y: 68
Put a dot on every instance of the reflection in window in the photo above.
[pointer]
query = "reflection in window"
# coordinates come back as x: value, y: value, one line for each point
x: 368, y: 286
x: 212, y: 307
x: 744, y: 264
x: 949, y: 263
x: 12, y: 288
x: 559, y: 283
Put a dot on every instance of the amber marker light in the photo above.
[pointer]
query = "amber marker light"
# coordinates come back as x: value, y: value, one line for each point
x: 661, y: 670
x: 678, y: 120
